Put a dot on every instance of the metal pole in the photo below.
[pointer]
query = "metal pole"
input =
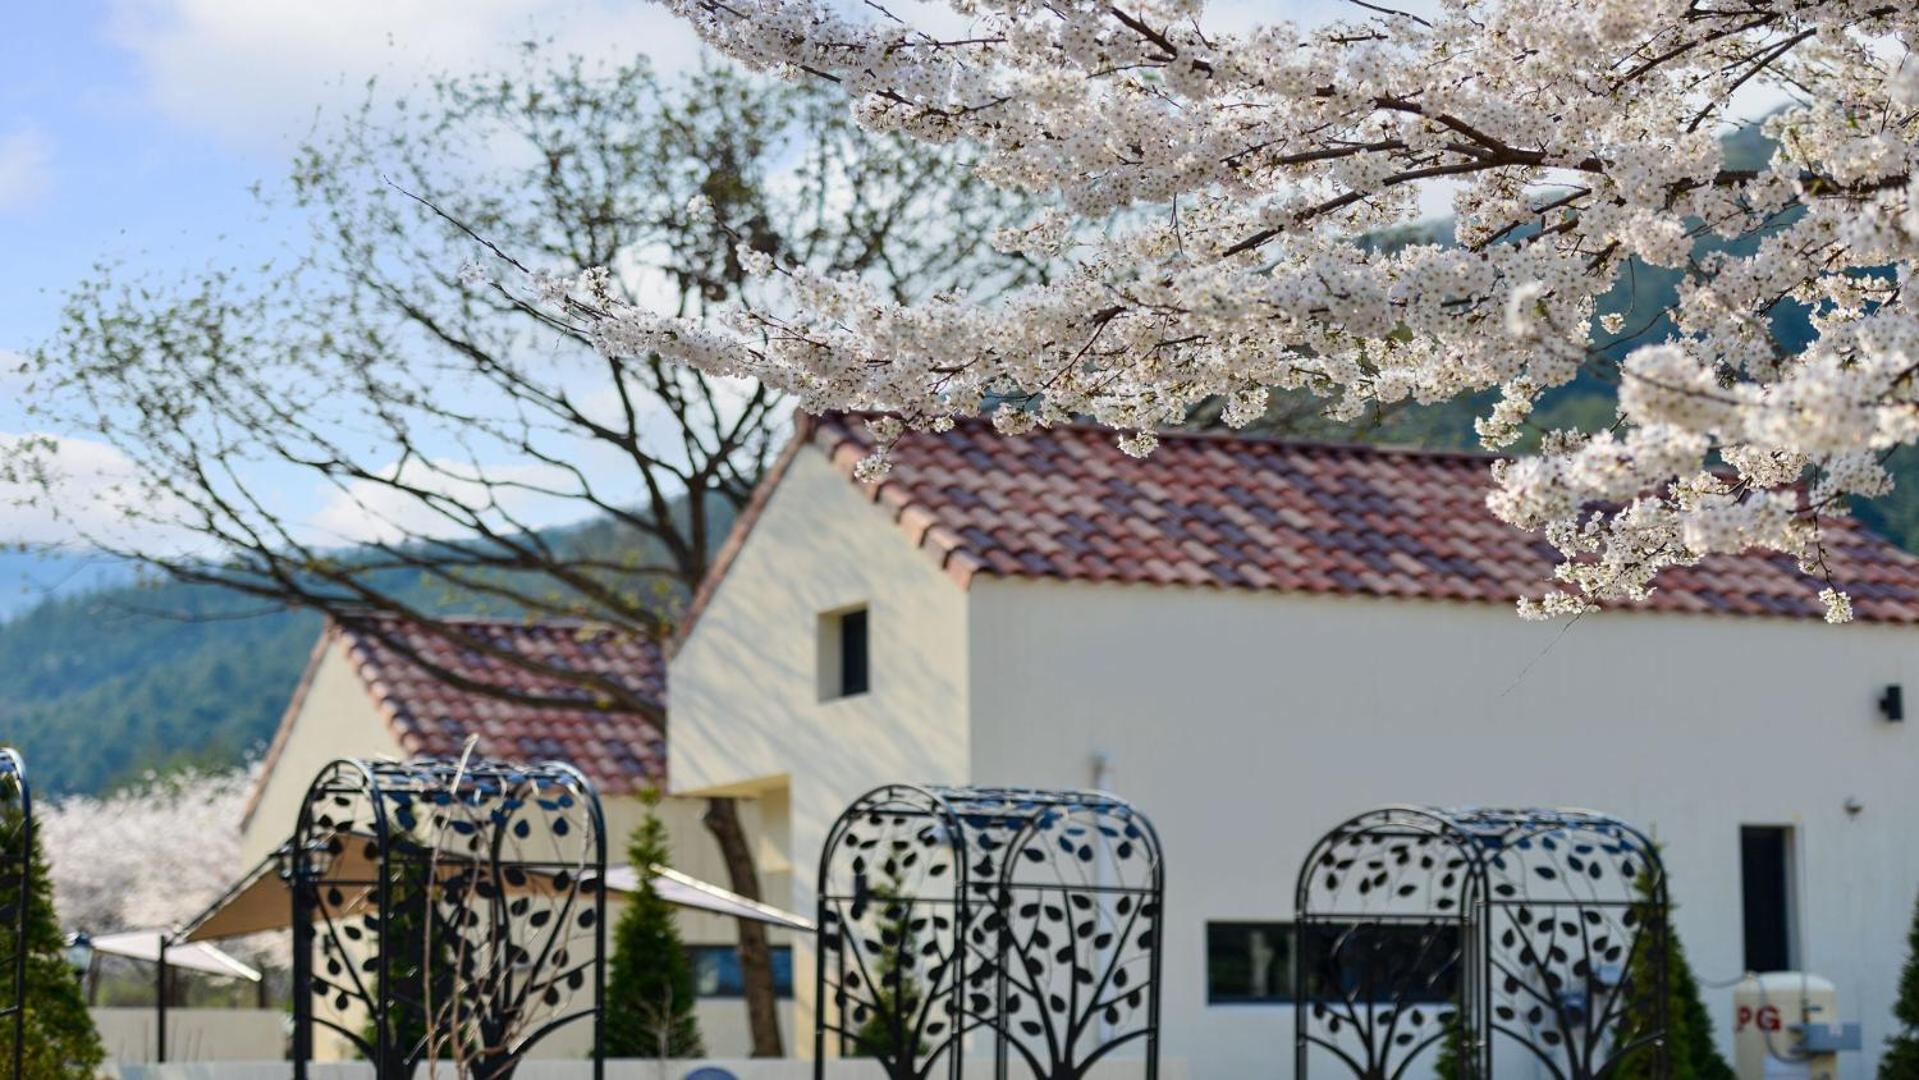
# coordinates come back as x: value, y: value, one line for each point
x: 25, y: 900
x: 160, y: 996
x: 302, y: 985
x: 599, y: 941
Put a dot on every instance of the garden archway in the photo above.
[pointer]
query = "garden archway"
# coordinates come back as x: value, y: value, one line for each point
x: 1029, y: 917
x: 16, y: 870
x: 1466, y: 932
x: 452, y: 910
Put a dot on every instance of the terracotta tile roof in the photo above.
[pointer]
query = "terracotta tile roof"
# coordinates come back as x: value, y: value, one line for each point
x: 1242, y: 513
x: 620, y: 751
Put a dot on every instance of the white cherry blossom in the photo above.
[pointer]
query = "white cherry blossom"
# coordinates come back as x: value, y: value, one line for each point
x: 1216, y: 196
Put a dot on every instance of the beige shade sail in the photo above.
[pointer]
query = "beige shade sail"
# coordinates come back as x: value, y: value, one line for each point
x: 689, y: 892
x: 260, y: 901
x: 145, y: 945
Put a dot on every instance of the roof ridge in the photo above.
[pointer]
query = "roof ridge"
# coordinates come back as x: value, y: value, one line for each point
x: 1300, y: 516
x: 1231, y: 436
x: 519, y: 621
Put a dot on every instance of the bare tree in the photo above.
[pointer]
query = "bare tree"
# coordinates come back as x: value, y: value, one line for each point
x: 447, y: 432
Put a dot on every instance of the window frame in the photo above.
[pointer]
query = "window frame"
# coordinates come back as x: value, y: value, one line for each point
x: 1788, y: 899
x: 835, y: 652
x: 1290, y: 932
x: 782, y: 958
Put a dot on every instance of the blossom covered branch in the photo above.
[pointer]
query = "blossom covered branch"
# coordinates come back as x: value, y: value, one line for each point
x: 1216, y: 196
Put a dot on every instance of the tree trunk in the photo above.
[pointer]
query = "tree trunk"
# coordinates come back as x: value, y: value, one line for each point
x: 756, y: 958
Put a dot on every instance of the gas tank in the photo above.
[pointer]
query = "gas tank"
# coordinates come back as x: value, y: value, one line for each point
x: 1767, y: 1013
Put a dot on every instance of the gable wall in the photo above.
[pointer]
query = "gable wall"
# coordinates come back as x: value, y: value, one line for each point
x: 746, y: 712
x: 336, y: 718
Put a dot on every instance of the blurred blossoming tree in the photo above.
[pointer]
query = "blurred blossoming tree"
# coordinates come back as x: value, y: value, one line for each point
x: 467, y: 450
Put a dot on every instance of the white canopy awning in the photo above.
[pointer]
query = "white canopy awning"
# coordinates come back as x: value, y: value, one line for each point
x: 197, y: 956
x: 260, y: 901
x: 689, y: 892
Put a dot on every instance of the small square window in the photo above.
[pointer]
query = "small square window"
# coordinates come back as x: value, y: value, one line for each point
x: 845, y: 654
x: 1248, y: 963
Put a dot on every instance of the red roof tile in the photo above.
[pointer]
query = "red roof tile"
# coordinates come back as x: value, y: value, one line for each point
x: 620, y: 751
x: 1230, y: 512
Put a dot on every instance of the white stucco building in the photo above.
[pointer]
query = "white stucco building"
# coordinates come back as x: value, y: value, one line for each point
x: 360, y: 697
x: 1253, y: 641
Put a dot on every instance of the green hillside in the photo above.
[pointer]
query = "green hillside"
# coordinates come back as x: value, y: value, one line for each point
x: 98, y: 688
x: 102, y: 686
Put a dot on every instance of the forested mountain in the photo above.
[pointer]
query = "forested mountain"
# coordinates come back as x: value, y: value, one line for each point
x: 29, y: 578
x: 100, y: 687
x: 96, y: 689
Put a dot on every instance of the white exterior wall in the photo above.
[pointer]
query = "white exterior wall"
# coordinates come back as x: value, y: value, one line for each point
x: 1247, y: 724
x: 746, y: 710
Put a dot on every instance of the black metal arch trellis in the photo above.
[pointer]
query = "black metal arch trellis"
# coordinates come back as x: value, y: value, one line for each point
x: 1424, y: 931
x: 1030, y: 917
x: 16, y: 870
x: 447, y: 910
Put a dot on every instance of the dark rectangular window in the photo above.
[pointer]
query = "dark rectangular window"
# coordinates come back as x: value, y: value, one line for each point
x: 716, y: 971
x: 1765, y: 862
x: 1249, y: 963
x: 854, y: 677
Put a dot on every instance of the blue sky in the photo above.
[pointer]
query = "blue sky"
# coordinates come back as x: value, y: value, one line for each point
x: 95, y: 171
x: 131, y: 131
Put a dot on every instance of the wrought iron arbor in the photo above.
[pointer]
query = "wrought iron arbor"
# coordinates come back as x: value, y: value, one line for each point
x: 444, y: 909
x: 16, y: 872
x: 1031, y: 917
x: 1479, y: 930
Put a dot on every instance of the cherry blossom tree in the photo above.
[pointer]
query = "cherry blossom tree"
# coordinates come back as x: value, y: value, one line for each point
x: 1211, y: 192
x: 154, y: 854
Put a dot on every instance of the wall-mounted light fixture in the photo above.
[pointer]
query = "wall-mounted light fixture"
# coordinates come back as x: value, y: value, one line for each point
x: 1892, y: 704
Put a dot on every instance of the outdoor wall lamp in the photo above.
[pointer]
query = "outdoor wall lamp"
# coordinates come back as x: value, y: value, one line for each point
x: 1892, y: 704
x: 80, y: 953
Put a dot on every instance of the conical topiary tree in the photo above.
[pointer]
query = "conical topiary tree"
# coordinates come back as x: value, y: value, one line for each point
x: 1452, y: 1061
x: 1690, y: 1051
x: 1901, y: 1058
x: 889, y: 1031
x: 649, y: 992
x: 61, y: 1043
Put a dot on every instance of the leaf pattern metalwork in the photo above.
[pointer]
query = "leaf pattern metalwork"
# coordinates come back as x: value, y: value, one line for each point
x: 447, y: 911
x: 953, y: 917
x: 1485, y: 931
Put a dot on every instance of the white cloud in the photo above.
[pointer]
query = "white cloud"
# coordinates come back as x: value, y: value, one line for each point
x: 66, y: 491
x: 254, y: 71
x: 13, y: 372
x: 26, y: 168
x: 367, y: 511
